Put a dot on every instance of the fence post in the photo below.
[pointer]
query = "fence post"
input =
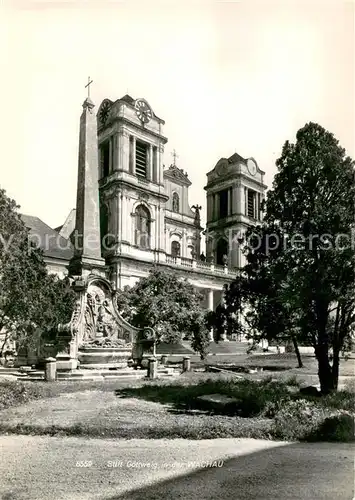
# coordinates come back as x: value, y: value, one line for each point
x: 186, y: 364
x: 152, y: 368
x: 50, y: 373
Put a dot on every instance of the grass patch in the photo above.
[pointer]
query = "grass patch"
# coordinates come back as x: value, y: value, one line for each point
x: 162, y: 409
x: 198, y: 428
x: 15, y: 393
x: 252, y: 396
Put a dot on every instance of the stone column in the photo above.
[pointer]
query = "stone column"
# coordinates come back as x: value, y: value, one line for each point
x: 209, y: 208
x: 110, y: 145
x: 153, y: 227
x: 119, y: 219
x: 160, y: 152
x: 155, y: 165
x: 215, y: 206
x: 123, y: 150
x: 124, y: 218
x: 258, y: 207
x: 114, y: 153
x: 133, y: 169
x: 229, y: 201
x: 210, y: 307
x: 129, y: 209
x: 183, y: 252
x: 150, y: 164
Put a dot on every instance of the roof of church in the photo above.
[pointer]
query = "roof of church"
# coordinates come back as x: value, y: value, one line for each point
x: 48, y: 239
x: 177, y: 174
x: 131, y: 100
x: 127, y: 98
x: 236, y: 158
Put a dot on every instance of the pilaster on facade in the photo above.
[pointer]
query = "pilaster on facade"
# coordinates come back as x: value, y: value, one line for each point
x: 132, y: 162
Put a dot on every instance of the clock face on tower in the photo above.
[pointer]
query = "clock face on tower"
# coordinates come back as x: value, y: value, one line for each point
x: 104, y: 112
x: 251, y: 165
x: 143, y: 110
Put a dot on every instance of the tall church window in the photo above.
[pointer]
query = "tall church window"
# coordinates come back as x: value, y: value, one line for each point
x: 222, y: 252
x: 251, y: 203
x: 105, y: 159
x: 176, y: 203
x: 142, y: 229
x: 141, y: 159
x: 223, y: 203
x: 175, y: 249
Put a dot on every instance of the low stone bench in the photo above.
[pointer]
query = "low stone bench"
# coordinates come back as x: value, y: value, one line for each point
x: 219, y: 402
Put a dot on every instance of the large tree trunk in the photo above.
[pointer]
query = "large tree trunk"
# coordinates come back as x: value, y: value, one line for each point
x: 325, y: 373
x: 335, y: 367
x: 297, y: 351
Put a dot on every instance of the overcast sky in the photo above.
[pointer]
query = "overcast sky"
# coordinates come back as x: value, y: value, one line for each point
x: 225, y: 76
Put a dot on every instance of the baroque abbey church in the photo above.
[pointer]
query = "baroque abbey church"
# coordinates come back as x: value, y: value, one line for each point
x: 144, y: 212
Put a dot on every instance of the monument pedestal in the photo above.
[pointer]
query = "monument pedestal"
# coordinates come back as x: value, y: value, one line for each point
x: 104, y: 357
x: 65, y: 363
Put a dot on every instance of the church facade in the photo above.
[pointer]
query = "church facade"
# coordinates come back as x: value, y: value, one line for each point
x: 145, y: 215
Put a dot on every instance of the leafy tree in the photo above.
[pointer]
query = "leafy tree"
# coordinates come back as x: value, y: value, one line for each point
x: 169, y: 305
x: 32, y: 302
x: 300, y: 272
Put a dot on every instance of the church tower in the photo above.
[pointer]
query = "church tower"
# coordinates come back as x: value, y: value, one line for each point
x: 235, y: 190
x: 131, y: 184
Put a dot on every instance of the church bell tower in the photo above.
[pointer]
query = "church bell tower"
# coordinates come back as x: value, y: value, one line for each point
x: 235, y: 190
x: 132, y: 197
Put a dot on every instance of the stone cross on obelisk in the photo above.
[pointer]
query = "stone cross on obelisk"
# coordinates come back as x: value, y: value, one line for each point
x: 86, y: 238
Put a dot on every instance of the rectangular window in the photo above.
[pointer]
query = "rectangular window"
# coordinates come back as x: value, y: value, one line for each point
x: 251, y: 204
x: 105, y: 159
x: 223, y: 203
x: 141, y: 159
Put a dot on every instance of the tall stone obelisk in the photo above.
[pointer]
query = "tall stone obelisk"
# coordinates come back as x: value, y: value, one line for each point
x: 86, y: 238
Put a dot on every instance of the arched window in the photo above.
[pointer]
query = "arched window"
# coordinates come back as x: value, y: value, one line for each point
x: 142, y: 227
x: 222, y: 252
x: 175, y: 249
x: 176, y: 203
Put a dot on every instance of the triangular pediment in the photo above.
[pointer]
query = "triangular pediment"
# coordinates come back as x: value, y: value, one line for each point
x: 177, y: 175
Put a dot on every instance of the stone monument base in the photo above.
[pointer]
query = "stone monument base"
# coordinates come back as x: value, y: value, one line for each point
x: 108, y: 357
x: 66, y: 363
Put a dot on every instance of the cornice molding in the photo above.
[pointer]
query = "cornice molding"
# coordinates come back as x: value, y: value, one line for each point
x: 125, y: 121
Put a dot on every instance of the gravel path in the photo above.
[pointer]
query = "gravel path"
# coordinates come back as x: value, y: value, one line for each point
x: 51, y: 468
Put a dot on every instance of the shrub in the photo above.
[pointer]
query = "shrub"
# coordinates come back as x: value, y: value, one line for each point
x: 339, y: 427
x: 292, y: 381
x: 339, y: 400
x: 259, y: 397
x: 296, y: 420
x: 12, y: 393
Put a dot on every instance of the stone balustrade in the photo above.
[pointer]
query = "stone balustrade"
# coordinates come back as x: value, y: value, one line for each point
x: 198, y: 264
